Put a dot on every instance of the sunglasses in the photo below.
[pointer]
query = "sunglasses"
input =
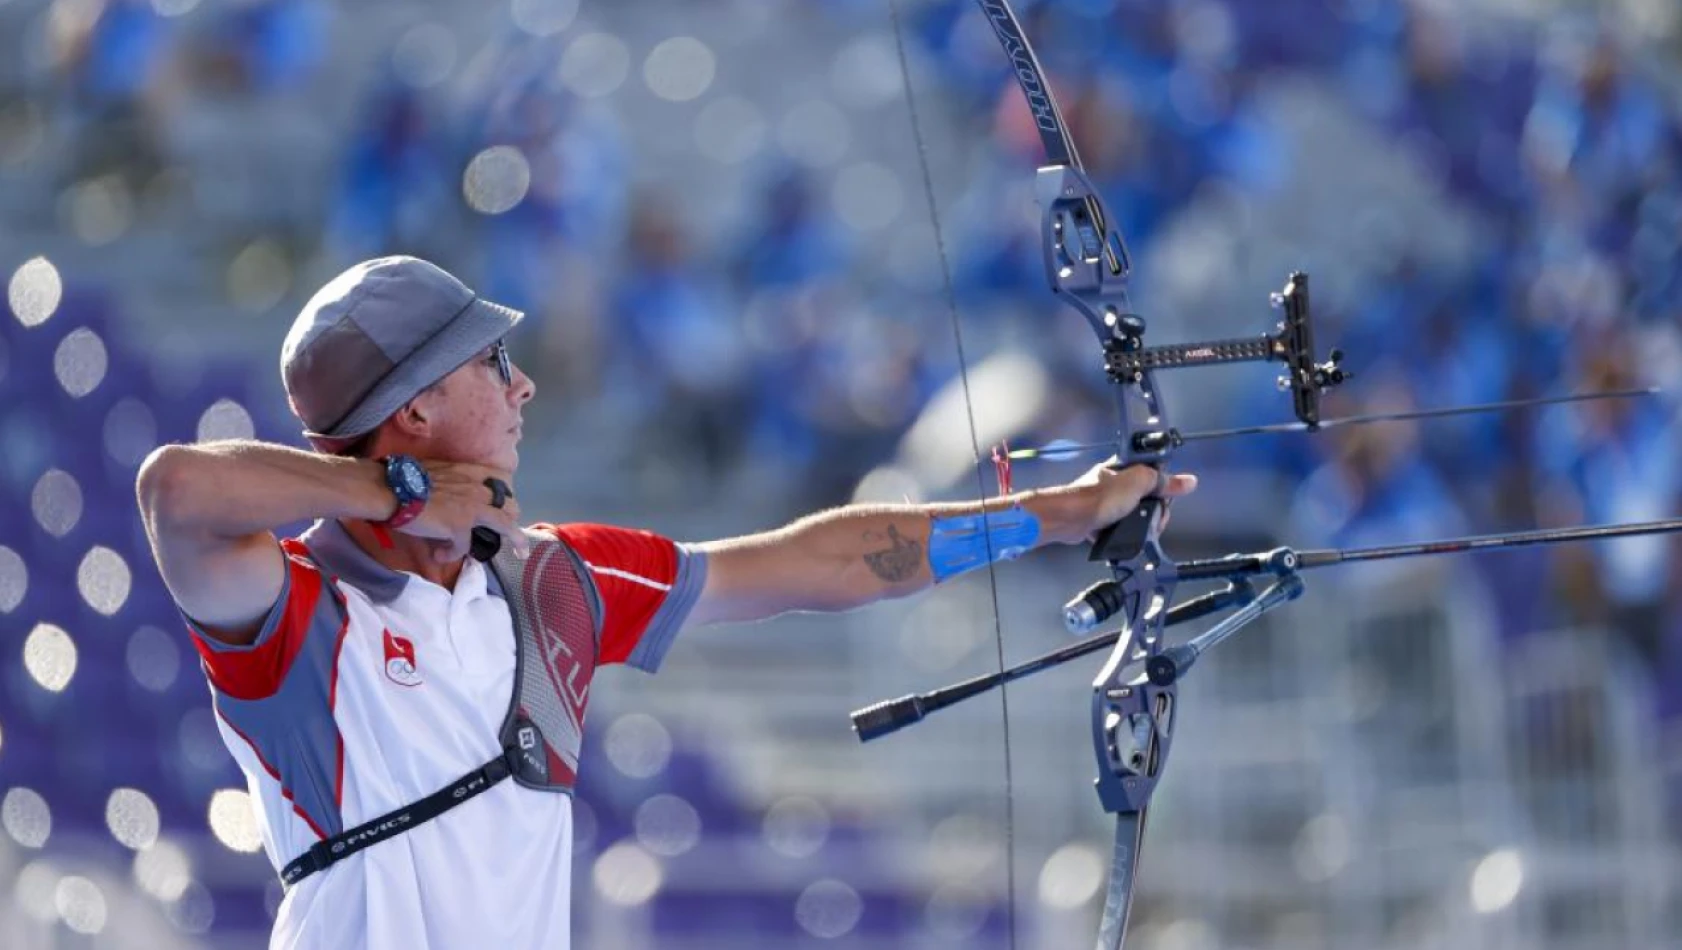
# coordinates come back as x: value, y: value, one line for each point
x: 499, y: 358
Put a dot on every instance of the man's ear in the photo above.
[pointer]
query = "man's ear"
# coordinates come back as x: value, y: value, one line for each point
x: 415, y: 417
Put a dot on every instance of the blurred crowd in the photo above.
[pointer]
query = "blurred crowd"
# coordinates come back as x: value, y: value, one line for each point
x: 770, y: 343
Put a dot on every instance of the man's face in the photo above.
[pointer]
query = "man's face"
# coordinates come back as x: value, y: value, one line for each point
x: 475, y: 411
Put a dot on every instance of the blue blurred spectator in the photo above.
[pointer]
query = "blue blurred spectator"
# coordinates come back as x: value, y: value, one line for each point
x: 677, y: 352
x: 396, y: 189
x: 793, y: 241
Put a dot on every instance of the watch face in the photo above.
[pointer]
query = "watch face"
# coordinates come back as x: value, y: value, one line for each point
x: 407, y: 478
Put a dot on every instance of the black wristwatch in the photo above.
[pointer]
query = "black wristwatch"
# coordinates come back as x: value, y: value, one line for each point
x: 408, y: 480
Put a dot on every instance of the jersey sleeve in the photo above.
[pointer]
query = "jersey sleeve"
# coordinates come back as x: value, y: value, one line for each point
x: 275, y: 700
x: 306, y: 609
x: 645, y: 584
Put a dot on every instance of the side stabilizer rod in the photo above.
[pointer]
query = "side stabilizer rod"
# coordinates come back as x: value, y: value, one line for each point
x: 875, y: 721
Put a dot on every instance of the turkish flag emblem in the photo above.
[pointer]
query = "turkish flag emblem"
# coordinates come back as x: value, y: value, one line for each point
x: 400, y: 664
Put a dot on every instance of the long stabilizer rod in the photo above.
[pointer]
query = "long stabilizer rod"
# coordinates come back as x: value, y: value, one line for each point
x: 1415, y: 414
x: 1489, y: 541
x: 1059, y: 451
x: 1279, y: 559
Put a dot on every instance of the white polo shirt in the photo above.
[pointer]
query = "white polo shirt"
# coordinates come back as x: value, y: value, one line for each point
x: 368, y: 689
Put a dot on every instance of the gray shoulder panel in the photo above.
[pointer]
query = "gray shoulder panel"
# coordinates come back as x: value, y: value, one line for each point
x: 674, y: 611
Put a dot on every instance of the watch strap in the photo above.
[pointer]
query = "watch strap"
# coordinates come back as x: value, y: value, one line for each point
x: 409, y: 506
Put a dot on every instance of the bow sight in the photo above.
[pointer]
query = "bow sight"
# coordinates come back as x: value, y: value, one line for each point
x: 1291, y: 344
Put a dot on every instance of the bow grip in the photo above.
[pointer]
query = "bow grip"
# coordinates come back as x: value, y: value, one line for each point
x: 1126, y: 539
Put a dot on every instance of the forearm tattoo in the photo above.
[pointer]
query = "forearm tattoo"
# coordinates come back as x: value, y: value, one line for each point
x: 898, y: 561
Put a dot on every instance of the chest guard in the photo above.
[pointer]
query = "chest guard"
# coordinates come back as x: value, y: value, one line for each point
x: 555, y: 635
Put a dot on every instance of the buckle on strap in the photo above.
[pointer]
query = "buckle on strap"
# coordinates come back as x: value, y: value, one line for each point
x: 314, y: 858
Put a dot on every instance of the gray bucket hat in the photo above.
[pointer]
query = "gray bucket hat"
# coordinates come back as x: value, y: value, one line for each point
x: 377, y: 335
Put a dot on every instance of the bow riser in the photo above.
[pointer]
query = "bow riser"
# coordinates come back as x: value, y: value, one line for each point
x: 1085, y: 260
x: 1132, y: 719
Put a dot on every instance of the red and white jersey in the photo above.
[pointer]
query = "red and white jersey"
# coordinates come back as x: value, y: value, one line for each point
x: 368, y: 689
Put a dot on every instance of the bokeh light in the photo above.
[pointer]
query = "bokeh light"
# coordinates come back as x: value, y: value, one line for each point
x: 35, y: 291
x: 496, y: 180
x: 35, y: 891
x: 828, y: 908
x: 130, y: 432
x: 796, y: 826
x: 638, y: 745
x: 98, y: 211
x: 225, y: 419
x: 956, y: 912
x: 26, y: 817
x: 679, y: 69
x: 1322, y: 848
x: 56, y: 502
x: 1187, y: 933
x: 50, y: 657
x: 14, y: 579
x: 425, y: 55
x: 153, y: 658
x: 163, y: 870
x: 595, y: 65
x: 132, y: 818
x: 80, y: 362
x: 259, y: 276
x: 233, y: 820
x: 667, y: 825
x: 1497, y: 881
x: 194, y: 911
x: 103, y: 580
x: 80, y: 904
x: 865, y: 73
x: 1072, y: 876
x: 626, y: 875
x: 543, y: 17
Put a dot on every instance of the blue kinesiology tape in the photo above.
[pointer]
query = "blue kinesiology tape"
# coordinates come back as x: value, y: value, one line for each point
x: 958, y: 543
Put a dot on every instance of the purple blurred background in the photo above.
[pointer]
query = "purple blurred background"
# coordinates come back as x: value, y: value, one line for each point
x: 714, y: 215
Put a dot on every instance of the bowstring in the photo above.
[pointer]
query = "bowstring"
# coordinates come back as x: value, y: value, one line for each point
x: 975, y: 445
